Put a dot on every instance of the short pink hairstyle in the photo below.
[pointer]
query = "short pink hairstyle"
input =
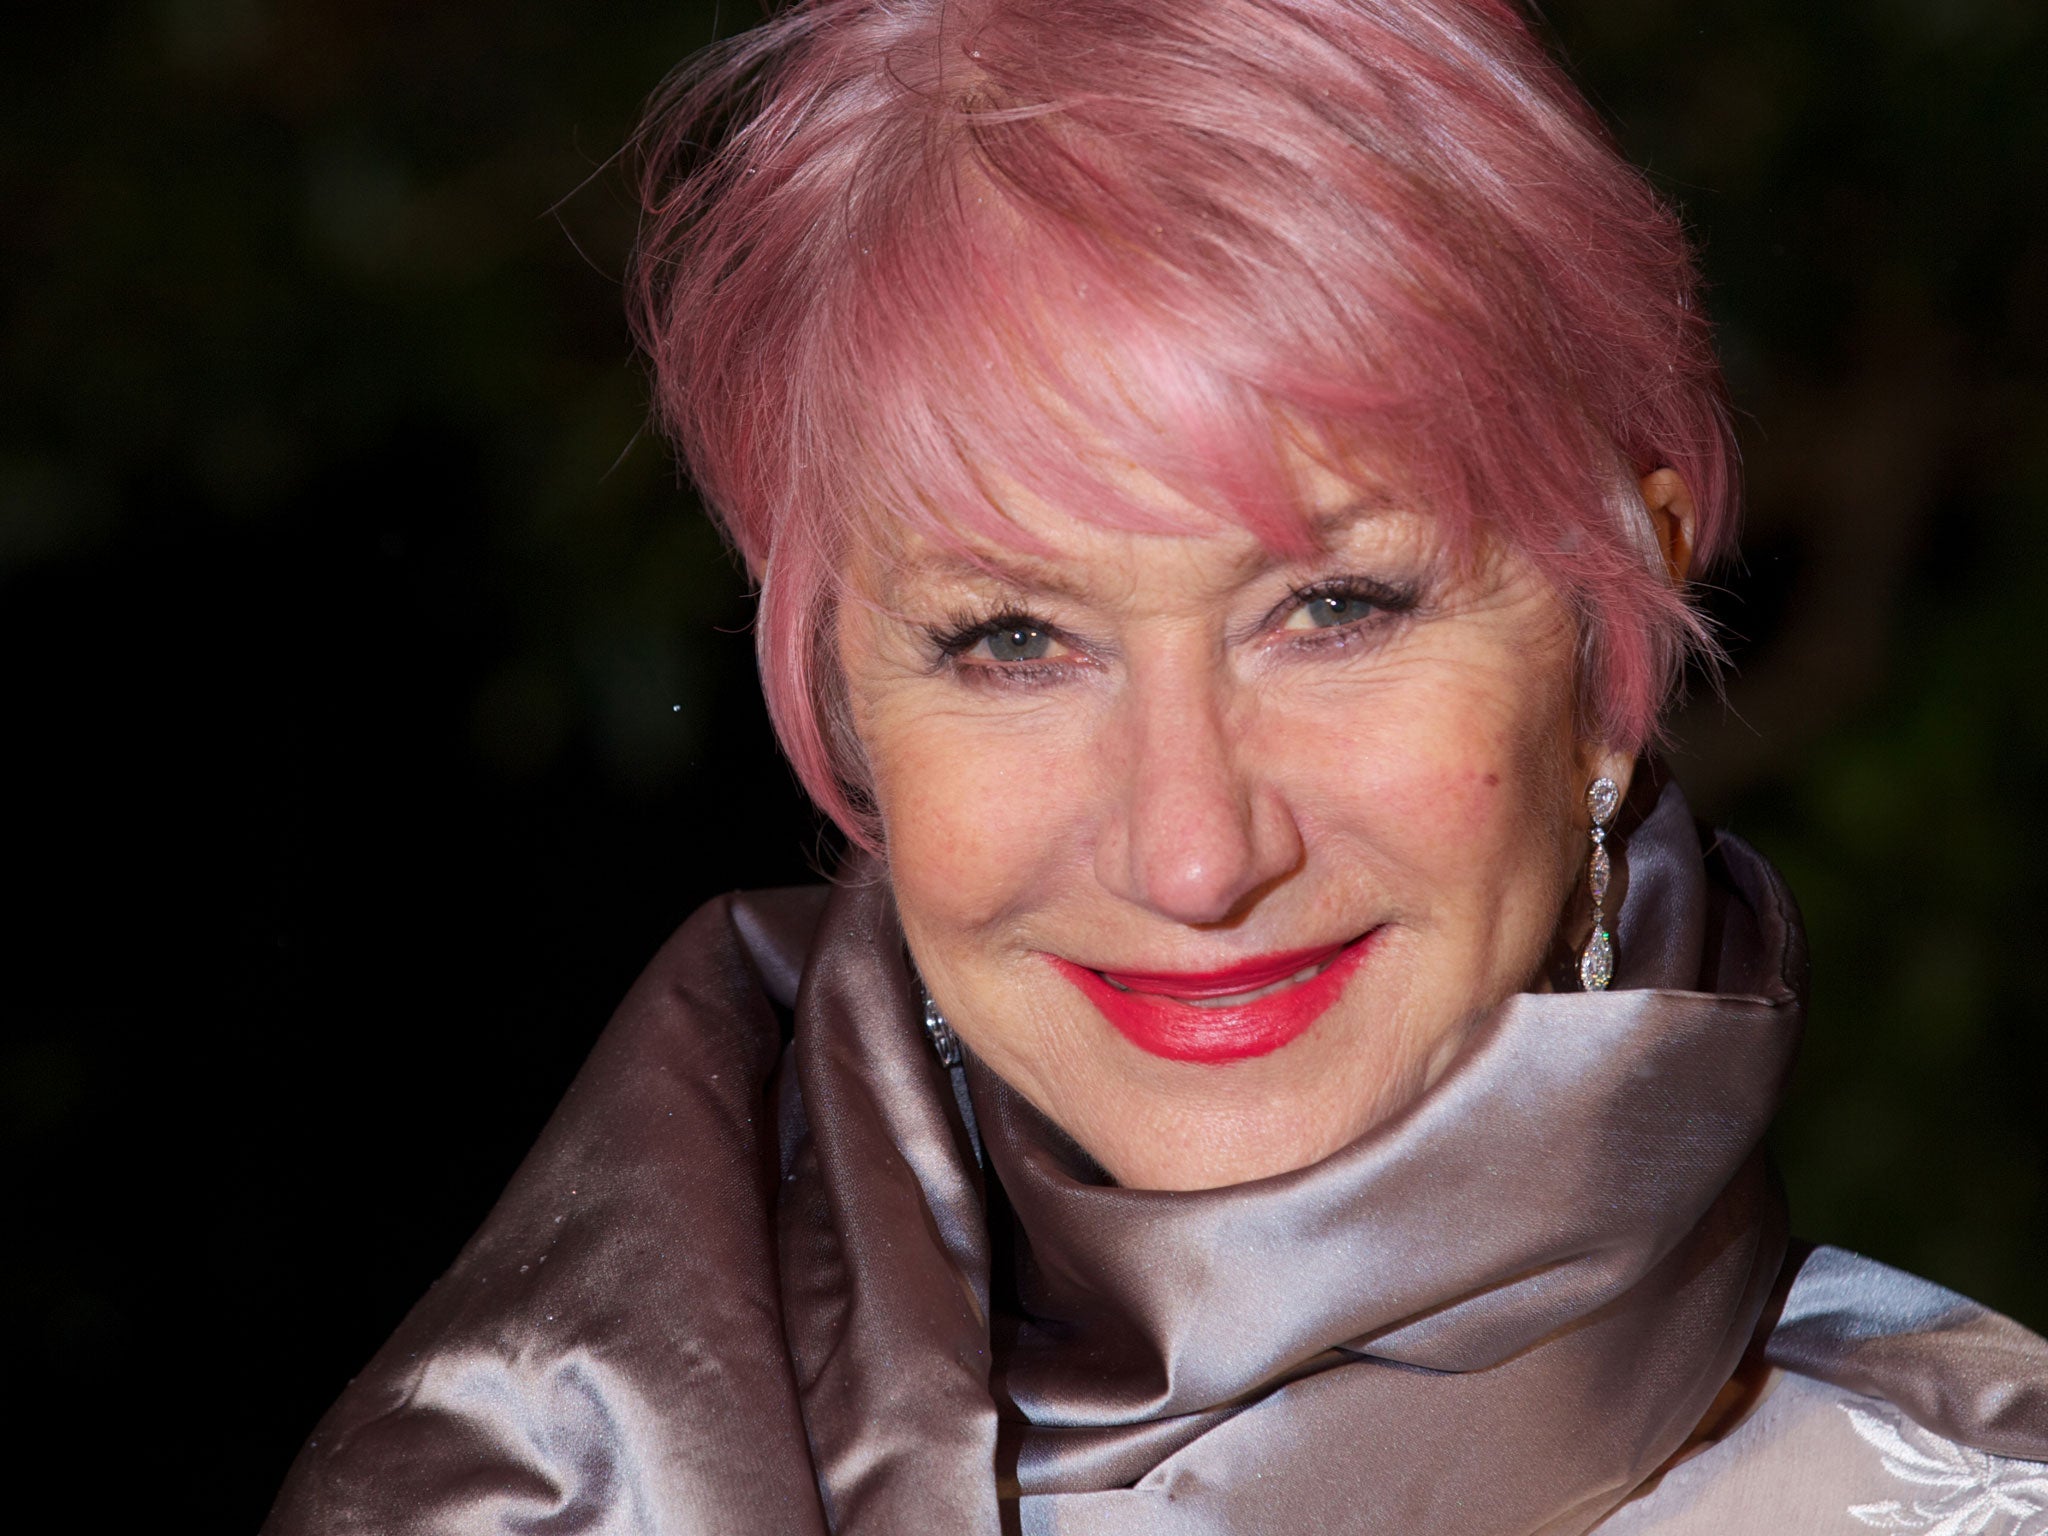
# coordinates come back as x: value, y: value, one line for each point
x: 894, y: 247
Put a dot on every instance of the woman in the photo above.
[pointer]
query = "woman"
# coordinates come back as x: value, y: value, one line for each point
x: 1223, y: 479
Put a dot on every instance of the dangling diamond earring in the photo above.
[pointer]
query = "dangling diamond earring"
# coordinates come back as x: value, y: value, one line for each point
x: 938, y: 1031
x: 1596, y: 965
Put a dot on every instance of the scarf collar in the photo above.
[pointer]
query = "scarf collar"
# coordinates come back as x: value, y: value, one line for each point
x: 1500, y: 1310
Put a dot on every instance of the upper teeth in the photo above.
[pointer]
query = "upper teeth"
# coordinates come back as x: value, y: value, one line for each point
x: 1239, y: 999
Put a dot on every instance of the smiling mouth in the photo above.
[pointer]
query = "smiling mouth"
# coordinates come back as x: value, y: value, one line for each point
x: 1245, y: 1010
x: 1227, y: 999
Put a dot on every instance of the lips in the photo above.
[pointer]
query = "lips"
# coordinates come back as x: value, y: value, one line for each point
x: 1243, y: 1010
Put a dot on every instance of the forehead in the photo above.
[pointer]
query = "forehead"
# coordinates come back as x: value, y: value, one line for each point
x: 1028, y: 544
x: 1088, y: 562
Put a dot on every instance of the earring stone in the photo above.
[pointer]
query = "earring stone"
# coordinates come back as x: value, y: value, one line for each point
x: 1596, y: 964
x: 939, y: 1032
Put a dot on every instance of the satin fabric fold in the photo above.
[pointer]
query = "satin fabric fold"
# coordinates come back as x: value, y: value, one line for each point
x: 1506, y: 1307
x: 607, y: 1354
x: 1953, y: 1366
x: 759, y: 1275
x: 884, y: 1246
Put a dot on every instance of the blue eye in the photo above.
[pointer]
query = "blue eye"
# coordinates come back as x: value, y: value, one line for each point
x: 1003, y: 647
x: 1345, y: 607
x: 1017, y: 642
x: 1334, y: 609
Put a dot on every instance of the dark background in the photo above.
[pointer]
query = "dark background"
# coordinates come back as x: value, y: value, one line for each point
x: 375, y: 702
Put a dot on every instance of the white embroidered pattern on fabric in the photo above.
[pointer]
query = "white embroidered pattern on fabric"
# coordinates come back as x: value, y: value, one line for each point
x: 1968, y: 1493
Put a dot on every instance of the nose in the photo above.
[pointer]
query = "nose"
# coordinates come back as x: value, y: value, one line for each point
x: 1197, y: 820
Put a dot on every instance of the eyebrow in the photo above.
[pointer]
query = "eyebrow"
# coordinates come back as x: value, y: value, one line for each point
x: 1028, y: 574
x: 1020, y: 573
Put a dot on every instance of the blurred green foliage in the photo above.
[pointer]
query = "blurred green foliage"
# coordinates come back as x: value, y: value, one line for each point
x: 1864, y: 180
x: 254, y: 248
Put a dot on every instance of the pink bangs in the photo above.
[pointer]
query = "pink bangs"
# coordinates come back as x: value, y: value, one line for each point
x: 938, y: 243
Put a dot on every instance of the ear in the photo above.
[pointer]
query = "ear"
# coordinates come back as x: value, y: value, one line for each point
x: 1674, y: 519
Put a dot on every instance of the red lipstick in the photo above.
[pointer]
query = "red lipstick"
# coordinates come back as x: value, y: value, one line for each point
x: 1181, y: 1015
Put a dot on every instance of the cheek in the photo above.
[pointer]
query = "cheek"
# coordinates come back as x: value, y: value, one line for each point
x: 1454, y: 780
x: 972, y: 819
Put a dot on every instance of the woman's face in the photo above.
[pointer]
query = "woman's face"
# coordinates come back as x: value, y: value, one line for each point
x: 1216, y: 854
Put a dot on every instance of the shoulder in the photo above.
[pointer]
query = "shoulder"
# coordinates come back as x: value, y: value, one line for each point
x: 1959, y: 1368
x: 629, y: 1264
x: 1813, y: 1458
x: 1893, y: 1404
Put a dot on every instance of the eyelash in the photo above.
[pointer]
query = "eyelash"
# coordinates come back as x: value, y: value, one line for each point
x: 953, y: 640
x: 1387, y: 601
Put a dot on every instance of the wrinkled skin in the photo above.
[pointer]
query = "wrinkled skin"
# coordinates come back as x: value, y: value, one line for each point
x: 1169, y: 752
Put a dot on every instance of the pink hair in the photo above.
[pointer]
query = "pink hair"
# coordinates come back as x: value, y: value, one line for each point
x: 929, y: 237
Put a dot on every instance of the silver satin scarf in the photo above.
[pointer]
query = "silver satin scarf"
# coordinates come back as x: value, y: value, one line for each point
x: 1498, y: 1312
x: 739, y: 1288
